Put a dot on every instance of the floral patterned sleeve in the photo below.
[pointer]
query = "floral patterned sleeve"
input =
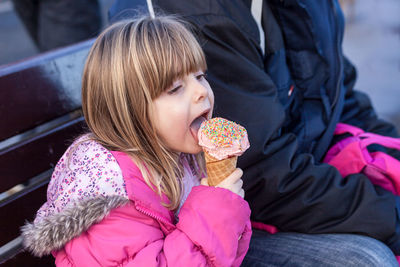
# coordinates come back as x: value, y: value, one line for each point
x: 86, y: 170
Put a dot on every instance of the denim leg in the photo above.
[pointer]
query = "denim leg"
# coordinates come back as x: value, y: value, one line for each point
x: 294, y: 249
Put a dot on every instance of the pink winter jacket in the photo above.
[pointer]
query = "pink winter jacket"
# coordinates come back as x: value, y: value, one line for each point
x: 120, y: 221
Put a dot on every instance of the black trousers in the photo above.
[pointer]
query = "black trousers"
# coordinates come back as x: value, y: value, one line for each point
x: 56, y: 23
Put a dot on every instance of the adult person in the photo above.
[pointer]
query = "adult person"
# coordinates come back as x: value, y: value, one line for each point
x: 277, y: 68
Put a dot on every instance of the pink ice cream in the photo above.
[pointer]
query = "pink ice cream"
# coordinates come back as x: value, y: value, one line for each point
x: 222, y: 138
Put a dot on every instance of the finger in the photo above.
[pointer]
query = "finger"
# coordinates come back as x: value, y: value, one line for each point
x: 204, y: 181
x: 239, y: 183
x: 234, y: 176
x: 236, y: 187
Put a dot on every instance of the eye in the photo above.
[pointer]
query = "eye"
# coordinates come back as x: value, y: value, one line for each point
x: 174, y: 90
x: 201, y: 76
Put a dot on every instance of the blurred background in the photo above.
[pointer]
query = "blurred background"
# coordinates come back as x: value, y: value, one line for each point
x: 371, y: 42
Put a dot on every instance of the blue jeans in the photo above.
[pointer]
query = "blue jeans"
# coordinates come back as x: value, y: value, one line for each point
x: 294, y: 249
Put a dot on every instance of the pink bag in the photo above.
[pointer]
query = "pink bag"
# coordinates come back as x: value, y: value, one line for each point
x: 351, y: 155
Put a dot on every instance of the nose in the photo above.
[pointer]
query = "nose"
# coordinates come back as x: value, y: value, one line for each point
x: 200, y: 91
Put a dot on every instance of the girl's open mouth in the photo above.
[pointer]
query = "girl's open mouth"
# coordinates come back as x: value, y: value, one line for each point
x: 195, y: 125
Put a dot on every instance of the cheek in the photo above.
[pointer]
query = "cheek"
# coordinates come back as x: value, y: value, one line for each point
x: 172, y: 124
x: 211, y: 96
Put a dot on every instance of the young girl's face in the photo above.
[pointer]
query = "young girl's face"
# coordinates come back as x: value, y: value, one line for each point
x: 179, y: 111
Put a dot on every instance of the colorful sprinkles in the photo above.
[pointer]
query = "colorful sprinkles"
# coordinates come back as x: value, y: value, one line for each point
x: 222, y: 132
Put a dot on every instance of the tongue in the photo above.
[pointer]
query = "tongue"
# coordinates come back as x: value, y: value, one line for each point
x: 195, y: 126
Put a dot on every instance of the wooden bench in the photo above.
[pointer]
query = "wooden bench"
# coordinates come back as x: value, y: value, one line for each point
x: 40, y: 109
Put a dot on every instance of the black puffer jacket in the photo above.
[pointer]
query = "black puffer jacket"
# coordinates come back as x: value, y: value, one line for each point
x: 290, y: 97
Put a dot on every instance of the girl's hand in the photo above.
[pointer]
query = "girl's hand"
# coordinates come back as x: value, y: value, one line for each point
x: 232, y: 183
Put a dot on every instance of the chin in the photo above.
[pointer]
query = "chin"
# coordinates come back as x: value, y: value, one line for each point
x: 194, y: 150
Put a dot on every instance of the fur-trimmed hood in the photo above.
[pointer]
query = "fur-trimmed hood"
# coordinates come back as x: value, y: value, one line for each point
x: 53, y: 232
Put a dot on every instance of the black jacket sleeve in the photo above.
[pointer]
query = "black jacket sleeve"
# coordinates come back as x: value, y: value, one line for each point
x: 284, y: 188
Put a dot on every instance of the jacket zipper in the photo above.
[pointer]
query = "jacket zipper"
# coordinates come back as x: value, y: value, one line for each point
x: 325, y: 140
x: 338, y: 49
x: 153, y: 215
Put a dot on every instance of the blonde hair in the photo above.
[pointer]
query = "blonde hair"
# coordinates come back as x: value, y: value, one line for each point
x: 130, y: 64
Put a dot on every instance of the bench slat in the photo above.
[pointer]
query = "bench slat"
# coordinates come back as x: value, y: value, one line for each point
x: 18, y: 211
x: 48, y: 88
x: 25, y: 259
x: 36, y: 155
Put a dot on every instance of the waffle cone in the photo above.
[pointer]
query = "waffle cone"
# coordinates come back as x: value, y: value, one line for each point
x: 218, y: 170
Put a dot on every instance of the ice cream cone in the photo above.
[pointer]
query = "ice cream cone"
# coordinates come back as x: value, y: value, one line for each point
x: 222, y: 142
x: 218, y: 170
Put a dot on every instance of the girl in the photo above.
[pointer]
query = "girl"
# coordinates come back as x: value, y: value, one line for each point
x: 116, y: 195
